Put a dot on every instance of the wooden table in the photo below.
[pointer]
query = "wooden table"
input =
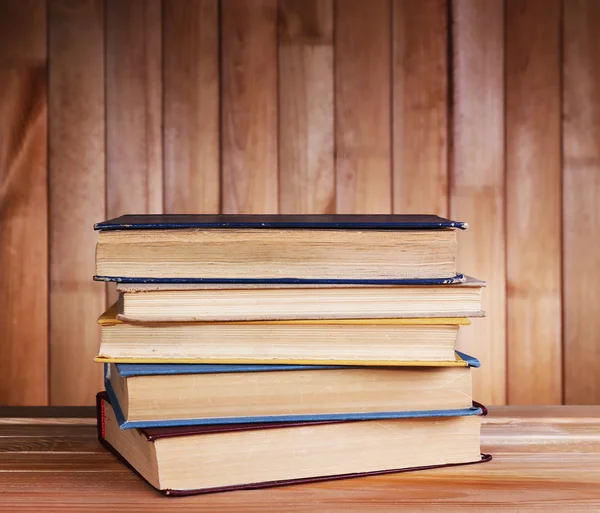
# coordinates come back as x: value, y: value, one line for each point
x: 545, y: 458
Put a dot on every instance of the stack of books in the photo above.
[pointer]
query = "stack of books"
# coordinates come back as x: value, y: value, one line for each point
x: 251, y: 351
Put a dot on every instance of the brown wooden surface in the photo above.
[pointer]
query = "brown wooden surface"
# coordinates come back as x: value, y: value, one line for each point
x: 191, y: 106
x: 581, y: 201
x: 306, y: 161
x: 420, y: 106
x: 23, y: 203
x: 249, y: 106
x: 533, y: 202
x: 363, y: 107
x: 77, y: 195
x: 545, y: 459
x: 477, y: 180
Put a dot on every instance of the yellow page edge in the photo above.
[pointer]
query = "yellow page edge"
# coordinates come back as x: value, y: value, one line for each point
x: 109, y: 318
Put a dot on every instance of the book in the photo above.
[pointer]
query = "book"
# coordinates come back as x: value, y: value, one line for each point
x: 331, y: 342
x: 230, y: 302
x: 200, y: 459
x: 146, y: 395
x: 278, y: 248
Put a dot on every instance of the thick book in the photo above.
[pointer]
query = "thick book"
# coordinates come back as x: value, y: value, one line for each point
x: 230, y: 302
x: 145, y: 395
x: 201, y: 459
x: 278, y: 249
x: 424, y: 341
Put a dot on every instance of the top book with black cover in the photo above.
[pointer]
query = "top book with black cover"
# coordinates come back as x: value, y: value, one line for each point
x: 321, y: 249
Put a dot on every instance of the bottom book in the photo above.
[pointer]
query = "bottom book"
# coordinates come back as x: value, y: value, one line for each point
x: 213, y: 458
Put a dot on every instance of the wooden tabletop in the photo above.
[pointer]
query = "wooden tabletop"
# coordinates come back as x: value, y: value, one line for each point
x: 545, y: 458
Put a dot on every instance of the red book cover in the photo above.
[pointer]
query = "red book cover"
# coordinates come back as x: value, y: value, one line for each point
x: 157, y: 433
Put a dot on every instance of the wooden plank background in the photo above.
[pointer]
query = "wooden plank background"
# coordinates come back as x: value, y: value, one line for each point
x: 23, y: 203
x: 581, y: 201
x: 77, y: 194
x: 249, y: 107
x: 533, y: 203
x: 484, y: 110
x: 306, y: 120
x: 477, y: 178
x: 191, y: 105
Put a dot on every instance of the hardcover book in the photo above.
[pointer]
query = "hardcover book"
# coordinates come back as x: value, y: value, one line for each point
x: 175, y: 395
x: 423, y: 341
x: 348, y: 249
x: 200, y: 459
x: 146, y: 302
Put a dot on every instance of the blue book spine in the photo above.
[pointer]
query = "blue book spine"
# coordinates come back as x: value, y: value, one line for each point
x: 125, y: 424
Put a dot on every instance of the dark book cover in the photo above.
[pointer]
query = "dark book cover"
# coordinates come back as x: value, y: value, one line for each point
x: 153, y: 434
x: 459, y: 278
x: 280, y: 221
x: 376, y: 222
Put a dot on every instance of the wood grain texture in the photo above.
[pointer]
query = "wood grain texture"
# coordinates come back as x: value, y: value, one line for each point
x: 249, y: 106
x: 545, y: 459
x: 363, y: 106
x: 23, y: 204
x: 533, y: 202
x: 45, y: 445
x: 477, y: 180
x: 420, y: 106
x: 191, y: 106
x: 581, y: 205
x: 59, y: 415
x: 50, y: 427
x: 306, y: 158
x: 133, y: 107
x: 77, y: 196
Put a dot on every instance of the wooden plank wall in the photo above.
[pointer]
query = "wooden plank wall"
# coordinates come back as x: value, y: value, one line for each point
x: 190, y: 105
x: 476, y: 189
x: 77, y: 194
x: 363, y: 157
x: 484, y: 110
x: 23, y: 203
x: 306, y: 120
x: 533, y: 202
x: 581, y: 201
x: 249, y: 107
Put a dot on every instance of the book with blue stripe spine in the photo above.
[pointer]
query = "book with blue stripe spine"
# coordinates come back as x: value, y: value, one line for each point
x: 162, y: 395
x: 279, y: 249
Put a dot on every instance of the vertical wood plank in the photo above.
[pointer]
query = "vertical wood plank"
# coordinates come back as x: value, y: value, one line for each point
x: 306, y: 160
x: 249, y: 106
x: 533, y: 202
x: 133, y: 107
x: 477, y: 180
x: 191, y: 106
x: 420, y: 110
x: 362, y: 106
x: 23, y: 204
x: 581, y: 201
x: 77, y: 195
